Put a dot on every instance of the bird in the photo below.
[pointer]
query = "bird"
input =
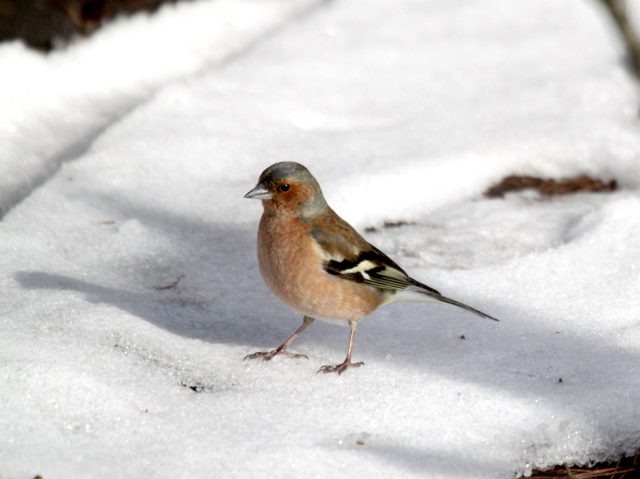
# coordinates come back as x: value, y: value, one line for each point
x: 319, y: 265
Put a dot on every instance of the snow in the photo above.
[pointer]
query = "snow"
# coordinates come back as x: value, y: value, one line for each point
x: 117, y: 186
x: 53, y: 106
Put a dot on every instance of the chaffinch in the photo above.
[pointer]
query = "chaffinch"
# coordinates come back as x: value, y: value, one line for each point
x: 320, y: 266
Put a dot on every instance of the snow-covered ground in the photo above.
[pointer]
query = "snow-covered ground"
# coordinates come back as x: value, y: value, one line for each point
x: 122, y: 173
x: 54, y: 106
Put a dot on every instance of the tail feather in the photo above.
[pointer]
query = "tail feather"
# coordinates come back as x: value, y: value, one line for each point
x: 444, y: 299
x: 433, y: 294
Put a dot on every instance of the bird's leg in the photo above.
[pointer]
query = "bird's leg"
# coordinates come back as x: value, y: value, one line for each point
x: 340, y: 368
x: 282, y: 349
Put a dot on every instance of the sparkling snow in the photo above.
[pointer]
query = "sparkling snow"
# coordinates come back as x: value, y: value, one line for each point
x: 123, y: 172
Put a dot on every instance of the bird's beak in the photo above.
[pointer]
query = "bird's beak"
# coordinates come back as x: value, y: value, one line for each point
x: 259, y: 193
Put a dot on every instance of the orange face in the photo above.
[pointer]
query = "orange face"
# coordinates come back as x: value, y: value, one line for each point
x: 288, y: 194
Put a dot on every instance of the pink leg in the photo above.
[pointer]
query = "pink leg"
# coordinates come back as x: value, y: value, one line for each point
x: 343, y: 366
x: 282, y: 349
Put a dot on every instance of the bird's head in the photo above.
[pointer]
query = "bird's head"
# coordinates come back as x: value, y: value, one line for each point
x: 288, y: 187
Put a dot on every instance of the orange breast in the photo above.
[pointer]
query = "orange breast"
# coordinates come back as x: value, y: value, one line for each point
x: 291, y: 266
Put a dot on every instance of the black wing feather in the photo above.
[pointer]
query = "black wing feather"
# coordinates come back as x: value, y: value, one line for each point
x: 374, y: 268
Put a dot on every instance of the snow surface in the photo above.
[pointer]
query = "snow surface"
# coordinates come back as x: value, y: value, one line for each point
x: 403, y: 111
x: 53, y: 106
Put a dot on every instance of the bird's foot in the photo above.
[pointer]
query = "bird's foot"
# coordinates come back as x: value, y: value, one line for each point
x: 339, y: 368
x: 267, y: 355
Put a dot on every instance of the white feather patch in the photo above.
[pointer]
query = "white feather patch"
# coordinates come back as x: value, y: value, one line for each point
x: 361, y: 267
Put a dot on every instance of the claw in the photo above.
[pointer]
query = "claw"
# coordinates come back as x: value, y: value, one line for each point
x: 295, y: 355
x: 339, y: 368
x: 267, y: 355
x: 282, y: 349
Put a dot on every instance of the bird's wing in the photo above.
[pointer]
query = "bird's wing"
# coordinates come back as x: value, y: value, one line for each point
x: 374, y: 268
x: 347, y: 255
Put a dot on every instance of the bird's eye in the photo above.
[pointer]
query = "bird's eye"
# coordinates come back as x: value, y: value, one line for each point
x: 284, y: 188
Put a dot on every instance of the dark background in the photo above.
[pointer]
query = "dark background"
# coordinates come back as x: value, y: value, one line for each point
x: 45, y: 24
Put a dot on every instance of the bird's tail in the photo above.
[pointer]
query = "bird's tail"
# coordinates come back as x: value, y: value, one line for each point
x: 432, y: 294
x: 444, y: 299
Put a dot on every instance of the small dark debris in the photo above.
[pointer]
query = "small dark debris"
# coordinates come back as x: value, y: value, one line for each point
x: 107, y: 222
x: 38, y: 477
x: 359, y: 442
x: 396, y: 224
x: 560, y: 380
x: 389, y: 224
x: 549, y: 186
x: 170, y: 285
x: 196, y: 387
x: 462, y: 336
